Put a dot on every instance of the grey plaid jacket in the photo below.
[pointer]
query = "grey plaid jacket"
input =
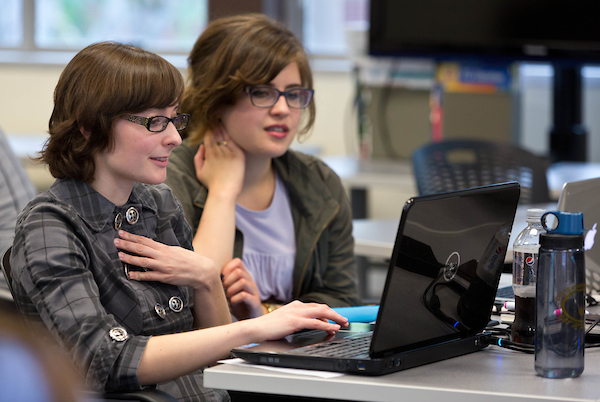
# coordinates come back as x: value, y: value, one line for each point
x: 68, y: 278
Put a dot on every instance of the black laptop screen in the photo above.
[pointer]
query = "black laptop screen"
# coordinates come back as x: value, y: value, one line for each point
x: 445, y: 268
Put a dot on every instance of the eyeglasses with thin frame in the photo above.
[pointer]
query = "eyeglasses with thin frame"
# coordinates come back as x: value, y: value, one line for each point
x: 265, y: 96
x: 156, y: 124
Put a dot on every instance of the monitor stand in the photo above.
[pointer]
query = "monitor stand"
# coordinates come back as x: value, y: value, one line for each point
x: 568, y: 137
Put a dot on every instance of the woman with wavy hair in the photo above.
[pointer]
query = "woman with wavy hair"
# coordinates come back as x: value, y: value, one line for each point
x: 276, y: 222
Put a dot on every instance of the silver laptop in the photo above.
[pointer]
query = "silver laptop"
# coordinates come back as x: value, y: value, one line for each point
x: 438, y: 296
x: 584, y: 196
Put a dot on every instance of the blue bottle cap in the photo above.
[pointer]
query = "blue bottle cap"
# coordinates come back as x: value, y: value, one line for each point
x: 559, y: 222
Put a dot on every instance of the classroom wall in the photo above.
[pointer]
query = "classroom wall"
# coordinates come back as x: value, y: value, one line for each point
x: 26, y: 101
x: 26, y: 105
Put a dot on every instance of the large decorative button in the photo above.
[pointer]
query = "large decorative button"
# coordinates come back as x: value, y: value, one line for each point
x: 118, y: 334
x: 160, y: 310
x: 118, y: 221
x: 132, y: 215
x: 127, y: 269
x: 176, y: 304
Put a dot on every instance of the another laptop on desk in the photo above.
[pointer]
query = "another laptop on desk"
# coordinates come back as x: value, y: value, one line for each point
x: 439, y: 291
x: 582, y: 196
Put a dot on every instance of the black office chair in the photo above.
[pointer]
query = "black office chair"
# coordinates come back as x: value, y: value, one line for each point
x: 145, y: 395
x: 5, y: 268
x: 464, y: 163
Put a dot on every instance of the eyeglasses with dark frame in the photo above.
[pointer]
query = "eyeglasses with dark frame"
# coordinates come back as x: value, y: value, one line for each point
x: 156, y: 124
x: 265, y: 96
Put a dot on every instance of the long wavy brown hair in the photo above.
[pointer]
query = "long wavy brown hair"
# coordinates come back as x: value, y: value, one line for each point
x: 231, y: 54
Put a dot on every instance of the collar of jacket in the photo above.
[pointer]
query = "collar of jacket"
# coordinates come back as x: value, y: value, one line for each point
x: 97, y: 211
x: 313, y: 206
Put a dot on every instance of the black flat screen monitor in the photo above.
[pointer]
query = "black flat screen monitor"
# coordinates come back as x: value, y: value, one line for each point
x: 501, y: 30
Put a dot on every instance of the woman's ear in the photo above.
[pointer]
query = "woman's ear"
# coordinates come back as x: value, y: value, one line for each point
x: 85, y: 133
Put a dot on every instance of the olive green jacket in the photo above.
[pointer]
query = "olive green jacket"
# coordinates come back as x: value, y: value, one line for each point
x: 324, y: 268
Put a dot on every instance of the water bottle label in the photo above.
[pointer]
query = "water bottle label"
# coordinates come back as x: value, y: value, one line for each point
x: 524, y: 268
x: 570, y: 312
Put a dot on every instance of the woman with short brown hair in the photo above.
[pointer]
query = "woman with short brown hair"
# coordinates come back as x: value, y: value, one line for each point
x: 104, y: 259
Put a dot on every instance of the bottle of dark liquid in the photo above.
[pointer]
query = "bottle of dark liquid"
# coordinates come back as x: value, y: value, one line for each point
x: 525, y: 261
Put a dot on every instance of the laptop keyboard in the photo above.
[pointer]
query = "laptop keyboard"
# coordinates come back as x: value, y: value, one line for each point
x: 356, y: 346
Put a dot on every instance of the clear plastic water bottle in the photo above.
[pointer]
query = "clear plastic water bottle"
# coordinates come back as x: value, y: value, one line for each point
x: 560, y: 306
x: 525, y: 262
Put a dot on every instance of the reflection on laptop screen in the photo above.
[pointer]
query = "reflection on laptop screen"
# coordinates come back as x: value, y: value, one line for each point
x: 451, y: 253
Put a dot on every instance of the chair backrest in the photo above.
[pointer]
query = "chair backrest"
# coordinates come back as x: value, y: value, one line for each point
x: 463, y: 163
x: 5, y: 267
x: 16, y: 190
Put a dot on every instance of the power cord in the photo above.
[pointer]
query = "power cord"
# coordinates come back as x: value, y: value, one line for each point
x: 508, y: 344
x: 590, y: 300
x: 501, y: 337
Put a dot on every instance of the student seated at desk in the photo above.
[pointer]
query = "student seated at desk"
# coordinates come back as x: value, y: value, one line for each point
x: 104, y: 259
x: 244, y: 192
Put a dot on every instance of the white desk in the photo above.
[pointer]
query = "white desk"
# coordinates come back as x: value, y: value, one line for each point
x: 373, y: 172
x: 374, y: 238
x: 492, y: 375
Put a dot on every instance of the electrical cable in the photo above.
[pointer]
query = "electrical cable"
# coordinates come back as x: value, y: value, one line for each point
x: 505, y: 343
x: 382, y: 114
x: 590, y: 300
x: 357, y: 107
x: 592, y: 325
x: 496, y: 338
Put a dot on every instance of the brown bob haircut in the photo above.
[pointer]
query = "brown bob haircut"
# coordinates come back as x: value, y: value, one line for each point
x: 231, y: 54
x: 102, y: 82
